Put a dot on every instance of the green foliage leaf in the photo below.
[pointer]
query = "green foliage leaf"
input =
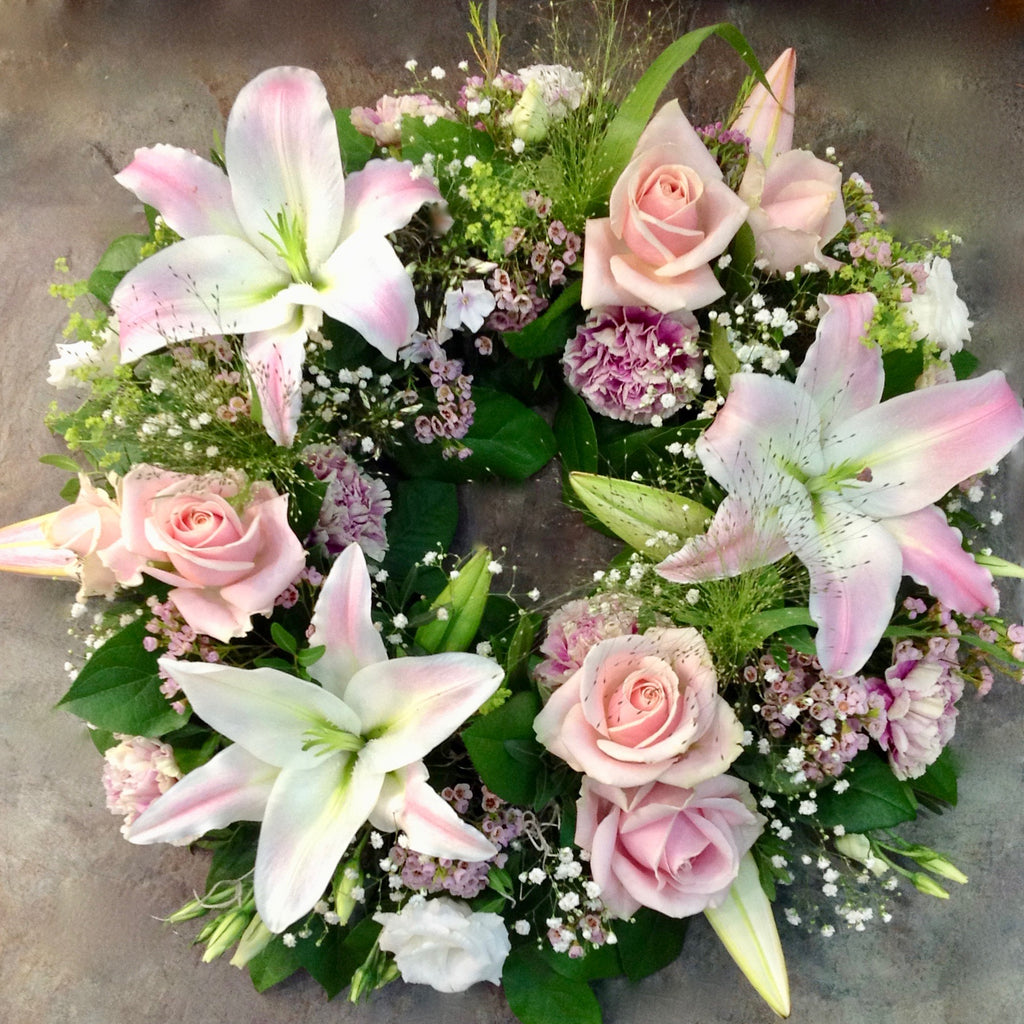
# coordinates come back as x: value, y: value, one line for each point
x: 305, y: 501
x: 61, y: 462
x: 356, y: 148
x: 939, y: 780
x: 504, y: 751
x: 423, y: 517
x: 445, y: 139
x: 964, y: 363
x: 234, y: 854
x: 272, y: 965
x: 538, y: 994
x: 602, y: 962
x: 902, y: 368
x: 635, y: 111
x: 118, y: 689
x: 548, y: 334
x: 649, y: 943
x: 875, y: 798
x: 122, y: 254
x: 507, y: 439
x: 574, y: 431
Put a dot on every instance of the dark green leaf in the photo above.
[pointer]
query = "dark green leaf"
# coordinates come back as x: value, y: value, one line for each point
x: 964, y: 363
x: 504, y: 751
x: 548, y: 334
x: 356, y: 148
x: 283, y: 638
x: 574, y: 431
x: 324, y: 959
x: 69, y: 492
x: 602, y: 962
x: 651, y: 942
x: 875, y: 798
x: 538, y: 994
x: 940, y: 779
x: 306, y: 500
x: 233, y: 856
x: 272, y: 964
x: 445, y: 139
x: 423, y: 517
x: 103, y: 740
x: 356, y: 947
x: 119, y: 688
x: 517, y: 661
x: 122, y: 254
x: 902, y: 368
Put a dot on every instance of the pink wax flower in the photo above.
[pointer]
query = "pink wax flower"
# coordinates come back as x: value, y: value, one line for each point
x: 920, y: 691
x: 633, y: 363
x: 670, y: 214
x: 135, y: 772
x: 643, y: 707
x: 672, y: 849
x: 225, y: 565
x: 383, y: 123
x: 354, y: 506
x: 87, y: 527
x: 576, y: 627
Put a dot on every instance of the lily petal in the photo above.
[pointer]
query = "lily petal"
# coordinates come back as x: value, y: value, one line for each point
x: 268, y: 712
x: 920, y: 445
x: 364, y: 285
x: 841, y: 373
x: 767, y: 117
x: 216, y: 284
x: 408, y: 803
x: 282, y: 155
x: 384, y: 195
x: 934, y: 556
x: 747, y: 929
x: 274, y: 360
x: 855, y: 568
x: 192, y: 194
x: 312, y: 816
x: 342, y: 623
x: 232, y: 786
x: 412, y: 704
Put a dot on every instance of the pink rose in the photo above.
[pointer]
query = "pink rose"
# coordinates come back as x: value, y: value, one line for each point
x: 670, y: 213
x: 224, y: 565
x: 643, y: 707
x: 87, y: 527
x: 672, y: 849
x: 796, y: 206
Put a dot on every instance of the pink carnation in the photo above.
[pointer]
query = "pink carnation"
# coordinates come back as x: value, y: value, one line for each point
x: 135, y: 772
x: 576, y: 627
x: 633, y: 363
x: 920, y: 691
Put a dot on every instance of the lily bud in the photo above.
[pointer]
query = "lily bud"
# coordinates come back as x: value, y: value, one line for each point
x: 346, y: 878
x: 225, y: 930
x: 767, y: 117
x: 254, y: 940
x: 926, y: 884
x: 939, y: 865
x: 530, y: 115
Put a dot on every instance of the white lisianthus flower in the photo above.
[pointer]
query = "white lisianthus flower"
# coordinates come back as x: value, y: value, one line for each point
x: 938, y: 312
x: 444, y: 944
x: 468, y: 306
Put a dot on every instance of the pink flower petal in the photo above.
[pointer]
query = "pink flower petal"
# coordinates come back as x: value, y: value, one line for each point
x: 192, y: 194
x: 282, y: 155
x: 342, y: 624
x: 670, y: 127
x: 274, y: 360
x: 934, y: 556
x: 384, y: 195
x: 767, y: 117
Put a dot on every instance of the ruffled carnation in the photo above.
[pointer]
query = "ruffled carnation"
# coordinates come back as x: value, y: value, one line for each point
x: 937, y: 312
x: 135, y: 772
x: 633, y: 363
x: 354, y: 506
x: 920, y: 690
x: 578, y: 626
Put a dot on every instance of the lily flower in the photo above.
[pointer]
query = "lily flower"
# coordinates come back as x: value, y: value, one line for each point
x: 315, y: 763
x: 767, y: 117
x: 273, y: 244
x: 822, y: 469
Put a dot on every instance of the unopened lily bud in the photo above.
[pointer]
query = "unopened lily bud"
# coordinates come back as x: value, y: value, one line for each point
x: 530, y: 115
x: 225, y: 930
x: 939, y: 865
x: 926, y: 884
x: 254, y: 940
x: 347, y: 878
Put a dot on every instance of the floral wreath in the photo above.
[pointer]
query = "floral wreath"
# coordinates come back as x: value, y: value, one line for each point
x: 401, y: 770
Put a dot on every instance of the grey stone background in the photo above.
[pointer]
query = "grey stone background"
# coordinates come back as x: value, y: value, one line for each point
x: 923, y: 97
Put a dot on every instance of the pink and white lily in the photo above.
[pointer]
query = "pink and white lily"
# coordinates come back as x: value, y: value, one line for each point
x: 273, y: 244
x: 823, y: 470
x: 315, y: 763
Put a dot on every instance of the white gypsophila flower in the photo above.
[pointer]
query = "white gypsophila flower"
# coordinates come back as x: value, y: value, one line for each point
x: 442, y: 943
x: 938, y: 313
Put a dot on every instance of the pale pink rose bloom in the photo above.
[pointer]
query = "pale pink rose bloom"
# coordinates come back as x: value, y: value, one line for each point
x: 796, y: 206
x: 226, y: 566
x: 643, y: 707
x: 672, y: 849
x: 670, y: 213
x: 87, y: 527
x: 383, y: 123
x: 135, y: 772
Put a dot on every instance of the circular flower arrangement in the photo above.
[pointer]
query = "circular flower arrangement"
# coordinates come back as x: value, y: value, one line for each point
x: 400, y: 769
